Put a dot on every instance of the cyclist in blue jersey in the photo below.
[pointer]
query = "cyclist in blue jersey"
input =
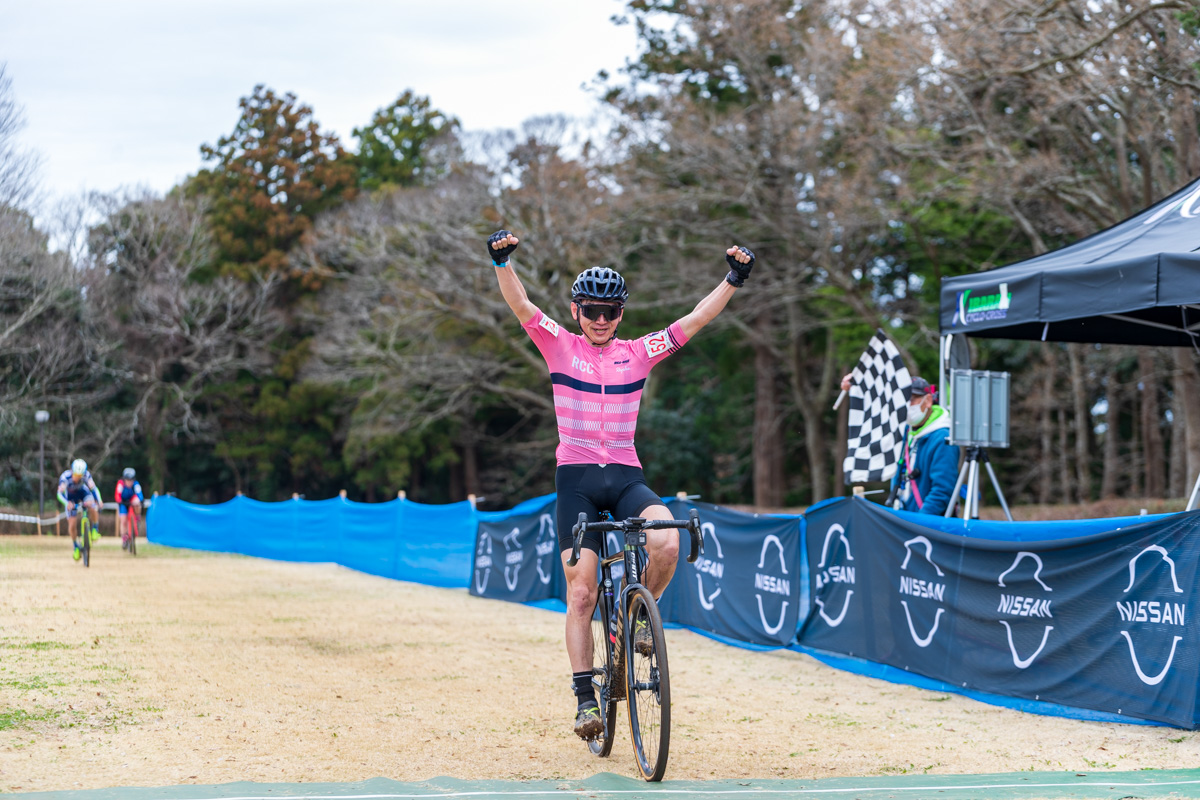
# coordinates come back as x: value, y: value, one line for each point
x: 76, y: 490
x: 128, y: 495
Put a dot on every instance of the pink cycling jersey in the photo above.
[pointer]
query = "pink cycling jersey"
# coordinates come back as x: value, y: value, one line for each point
x: 597, y: 390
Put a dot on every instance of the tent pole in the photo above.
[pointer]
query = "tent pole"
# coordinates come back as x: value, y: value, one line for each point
x: 1195, y: 495
x: 944, y: 349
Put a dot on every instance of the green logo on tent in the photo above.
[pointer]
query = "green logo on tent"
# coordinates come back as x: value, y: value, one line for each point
x: 982, y: 308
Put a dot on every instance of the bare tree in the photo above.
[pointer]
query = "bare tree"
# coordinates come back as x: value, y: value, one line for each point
x: 763, y: 124
x: 18, y: 167
x: 180, y: 332
x: 49, y: 352
x: 1066, y: 117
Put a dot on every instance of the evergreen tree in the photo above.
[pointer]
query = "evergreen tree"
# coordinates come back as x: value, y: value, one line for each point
x: 269, y: 179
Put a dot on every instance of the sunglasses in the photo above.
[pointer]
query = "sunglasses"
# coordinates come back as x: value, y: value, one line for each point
x: 594, y: 310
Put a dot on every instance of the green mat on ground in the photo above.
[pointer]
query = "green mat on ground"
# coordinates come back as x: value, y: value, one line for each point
x: 1023, y: 785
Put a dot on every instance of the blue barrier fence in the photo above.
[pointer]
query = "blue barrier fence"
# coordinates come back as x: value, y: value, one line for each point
x: 400, y: 539
x: 1070, y: 641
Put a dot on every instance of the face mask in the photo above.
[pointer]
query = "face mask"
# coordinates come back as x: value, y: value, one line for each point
x: 915, y: 415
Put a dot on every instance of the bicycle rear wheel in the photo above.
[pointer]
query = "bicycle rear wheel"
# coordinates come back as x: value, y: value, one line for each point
x: 602, y: 677
x: 649, y: 687
x: 85, y: 535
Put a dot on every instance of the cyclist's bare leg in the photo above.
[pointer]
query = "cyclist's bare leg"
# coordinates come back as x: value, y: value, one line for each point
x: 662, y: 549
x: 72, y: 522
x: 581, y: 600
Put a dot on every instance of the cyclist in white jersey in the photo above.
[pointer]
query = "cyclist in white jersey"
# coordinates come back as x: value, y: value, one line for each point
x: 597, y: 380
x: 77, y: 489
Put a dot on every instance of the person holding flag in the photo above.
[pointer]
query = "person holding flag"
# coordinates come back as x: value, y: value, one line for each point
x: 928, y: 465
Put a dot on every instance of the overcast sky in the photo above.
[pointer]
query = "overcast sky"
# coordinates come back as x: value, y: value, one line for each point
x: 123, y: 93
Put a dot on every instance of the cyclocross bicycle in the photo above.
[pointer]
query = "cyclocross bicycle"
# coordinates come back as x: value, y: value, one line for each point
x: 85, y: 537
x: 130, y: 534
x: 626, y: 666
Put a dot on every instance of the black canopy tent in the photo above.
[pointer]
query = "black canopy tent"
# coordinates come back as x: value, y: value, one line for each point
x: 1137, y: 282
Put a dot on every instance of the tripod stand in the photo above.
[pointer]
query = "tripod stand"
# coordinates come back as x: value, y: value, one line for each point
x: 970, y: 474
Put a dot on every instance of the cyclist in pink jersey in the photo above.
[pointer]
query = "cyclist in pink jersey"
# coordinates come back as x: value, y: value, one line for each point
x: 598, y: 380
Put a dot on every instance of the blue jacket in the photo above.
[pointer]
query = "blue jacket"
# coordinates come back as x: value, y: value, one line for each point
x: 934, y: 462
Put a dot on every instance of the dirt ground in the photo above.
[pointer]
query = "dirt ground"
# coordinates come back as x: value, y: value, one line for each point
x: 179, y: 667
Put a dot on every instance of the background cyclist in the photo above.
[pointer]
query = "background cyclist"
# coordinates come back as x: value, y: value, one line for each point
x: 77, y: 489
x: 597, y: 381
x: 128, y: 496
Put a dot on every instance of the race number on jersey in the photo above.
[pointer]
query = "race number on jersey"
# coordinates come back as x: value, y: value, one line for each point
x: 549, y: 325
x: 657, y: 343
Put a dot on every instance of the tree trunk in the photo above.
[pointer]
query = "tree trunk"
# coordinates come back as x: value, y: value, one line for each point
x: 1178, y: 458
x: 1188, y: 388
x: 768, y: 449
x: 1137, y: 448
x: 810, y: 402
x: 1064, y: 462
x: 156, y: 447
x: 1083, y: 423
x: 1112, y: 437
x: 1046, y: 468
x: 816, y: 449
x: 471, y: 464
x: 1152, y: 440
x: 455, y: 483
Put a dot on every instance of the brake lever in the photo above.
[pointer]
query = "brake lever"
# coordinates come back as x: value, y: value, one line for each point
x: 696, y: 534
x: 577, y: 539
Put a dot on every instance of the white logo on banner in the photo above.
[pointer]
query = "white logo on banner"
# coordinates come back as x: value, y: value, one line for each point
x: 712, y: 567
x: 1022, y: 606
x: 483, y: 562
x: 1154, y: 612
x: 513, y: 556
x: 1186, y: 206
x: 773, y: 584
x: 834, y: 573
x: 917, y: 587
x: 547, y: 543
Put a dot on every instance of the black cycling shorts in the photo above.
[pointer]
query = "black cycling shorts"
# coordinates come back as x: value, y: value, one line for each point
x: 591, y: 488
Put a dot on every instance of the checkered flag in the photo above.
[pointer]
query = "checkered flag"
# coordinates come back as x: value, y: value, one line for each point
x: 878, y: 392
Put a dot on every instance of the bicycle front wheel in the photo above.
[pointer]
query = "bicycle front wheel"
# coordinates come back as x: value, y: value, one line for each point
x: 133, y: 532
x: 603, y: 677
x: 85, y: 535
x: 648, y: 684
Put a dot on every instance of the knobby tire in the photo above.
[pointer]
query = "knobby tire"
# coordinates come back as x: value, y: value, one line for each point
x: 602, y: 675
x: 648, y: 688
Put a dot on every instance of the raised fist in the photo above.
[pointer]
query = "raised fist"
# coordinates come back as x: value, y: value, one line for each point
x: 740, y: 261
x: 500, y: 246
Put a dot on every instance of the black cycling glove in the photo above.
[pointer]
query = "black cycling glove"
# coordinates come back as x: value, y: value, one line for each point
x: 738, y: 272
x: 499, y: 256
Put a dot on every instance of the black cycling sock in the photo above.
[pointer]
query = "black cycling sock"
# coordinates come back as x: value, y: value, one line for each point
x: 581, y: 683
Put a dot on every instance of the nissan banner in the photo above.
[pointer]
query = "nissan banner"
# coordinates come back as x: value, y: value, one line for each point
x: 746, y: 584
x: 1099, y: 621
x: 517, y: 558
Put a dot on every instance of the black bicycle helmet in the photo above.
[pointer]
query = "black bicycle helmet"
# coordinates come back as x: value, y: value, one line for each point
x: 600, y: 283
